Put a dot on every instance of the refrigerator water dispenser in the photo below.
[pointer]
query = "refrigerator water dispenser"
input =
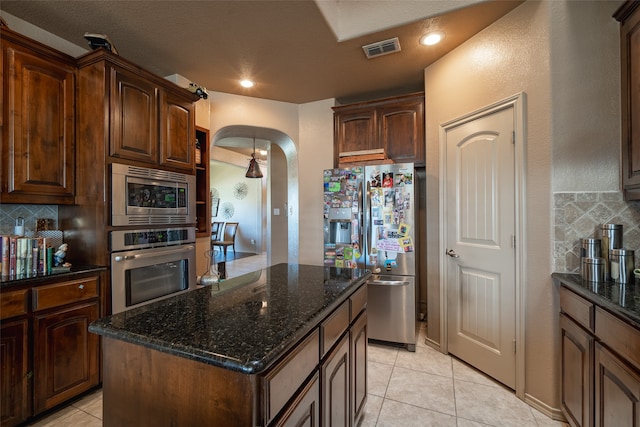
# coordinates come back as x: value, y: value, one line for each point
x: 340, y: 232
x: 340, y: 225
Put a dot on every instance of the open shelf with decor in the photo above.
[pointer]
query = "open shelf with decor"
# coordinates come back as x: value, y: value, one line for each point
x: 203, y: 198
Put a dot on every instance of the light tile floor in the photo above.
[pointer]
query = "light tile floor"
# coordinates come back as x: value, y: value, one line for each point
x: 428, y: 388
x: 421, y: 388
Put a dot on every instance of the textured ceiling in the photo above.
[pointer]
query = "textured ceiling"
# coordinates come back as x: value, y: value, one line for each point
x: 287, y: 47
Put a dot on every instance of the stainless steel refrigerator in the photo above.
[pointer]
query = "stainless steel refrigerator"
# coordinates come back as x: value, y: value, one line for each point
x: 369, y: 222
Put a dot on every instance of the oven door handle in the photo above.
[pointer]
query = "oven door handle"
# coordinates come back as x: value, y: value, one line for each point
x: 182, y: 248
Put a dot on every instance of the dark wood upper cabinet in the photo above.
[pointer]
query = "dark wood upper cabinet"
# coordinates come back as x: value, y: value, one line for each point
x: 177, y: 125
x: 355, y: 129
x: 389, y: 130
x: 402, y: 130
x: 629, y: 16
x: 150, y: 120
x: 38, y: 122
x: 133, y: 117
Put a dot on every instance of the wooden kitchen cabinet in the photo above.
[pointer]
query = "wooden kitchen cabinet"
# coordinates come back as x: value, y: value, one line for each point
x: 600, y: 362
x: 617, y: 390
x: 355, y: 129
x: 401, y: 129
x: 305, y: 410
x: 177, y: 131
x: 150, y: 120
x: 389, y: 130
x: 48, y: 355
x: 284, y: 379
x: 629, y: 17
x: 577, y: 373
x: 358, y: 342
x: 66, y: 355
x: 133, y: 113
x: 15, y: 405
x: 38, y: 122
x: 335, y: 382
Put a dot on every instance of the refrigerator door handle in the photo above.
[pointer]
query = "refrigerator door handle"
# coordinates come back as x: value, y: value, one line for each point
x: 368, y: 220
x: 361, y: 218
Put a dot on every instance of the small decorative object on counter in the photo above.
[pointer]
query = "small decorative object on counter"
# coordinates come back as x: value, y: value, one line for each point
x: 211, y: 277
x: 198, y: 152
x: 593, y: 269
x: 622, y: 264
x: 58, y: 256
x: 591, y: 248
x: 18, y: 230
x: 611, y: 236
x: 590, y: 251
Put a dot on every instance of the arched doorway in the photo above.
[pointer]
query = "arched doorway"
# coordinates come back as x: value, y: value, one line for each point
x: 280, y: 231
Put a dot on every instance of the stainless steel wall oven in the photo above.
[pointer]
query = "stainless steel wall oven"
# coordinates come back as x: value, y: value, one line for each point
x: 142, y: 196
x: 149, y: 265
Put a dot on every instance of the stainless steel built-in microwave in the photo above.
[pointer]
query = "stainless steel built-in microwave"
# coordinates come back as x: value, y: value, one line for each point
x: 141, y: 196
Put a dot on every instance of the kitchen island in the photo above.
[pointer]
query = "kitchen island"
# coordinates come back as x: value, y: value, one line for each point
x: 280, y: 345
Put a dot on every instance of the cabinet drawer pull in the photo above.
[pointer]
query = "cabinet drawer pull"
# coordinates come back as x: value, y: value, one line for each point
x: 81, y: 286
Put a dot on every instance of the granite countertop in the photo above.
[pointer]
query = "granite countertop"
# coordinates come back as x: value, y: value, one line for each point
x: 13, y: 281
x: 245, y: 328
x: 623, y: 300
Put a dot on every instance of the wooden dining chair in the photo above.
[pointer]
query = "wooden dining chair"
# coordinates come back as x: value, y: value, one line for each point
x: 216, y: 228
x: 228, y: 239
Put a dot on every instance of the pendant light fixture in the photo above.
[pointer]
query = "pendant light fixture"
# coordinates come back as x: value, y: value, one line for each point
x: 254, y: 168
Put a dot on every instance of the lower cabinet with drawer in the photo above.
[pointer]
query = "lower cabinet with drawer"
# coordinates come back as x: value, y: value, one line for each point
x: 336, y: 392
x: 48, y: 354
x: 600, y: 362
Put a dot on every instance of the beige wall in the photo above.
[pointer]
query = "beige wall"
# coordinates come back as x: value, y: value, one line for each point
x: 542, y: 49
x: 585, y: 95
x: 316, y: 154
x: 310, y: 127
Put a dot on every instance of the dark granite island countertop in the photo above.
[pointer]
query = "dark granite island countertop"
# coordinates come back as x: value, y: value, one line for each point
x: 244, y: 328
x: 245, y: 355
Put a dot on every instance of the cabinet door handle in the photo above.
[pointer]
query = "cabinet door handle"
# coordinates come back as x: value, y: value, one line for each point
x: 81, y: 286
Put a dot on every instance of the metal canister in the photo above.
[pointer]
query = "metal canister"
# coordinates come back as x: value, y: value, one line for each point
x: 591, y: 248
x: 611, y: 237
x: 622, y: 264
x: 593, y: 269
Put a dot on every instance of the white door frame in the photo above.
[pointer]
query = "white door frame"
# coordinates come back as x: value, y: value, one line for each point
x: 517, y: 102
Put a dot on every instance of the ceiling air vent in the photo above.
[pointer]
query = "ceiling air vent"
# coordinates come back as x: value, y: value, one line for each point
x: 384, y: 47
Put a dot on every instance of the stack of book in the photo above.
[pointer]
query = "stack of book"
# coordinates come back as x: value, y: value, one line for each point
x: 25, y: 256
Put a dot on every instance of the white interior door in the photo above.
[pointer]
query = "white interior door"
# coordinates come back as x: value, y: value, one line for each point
x: 479, y: 236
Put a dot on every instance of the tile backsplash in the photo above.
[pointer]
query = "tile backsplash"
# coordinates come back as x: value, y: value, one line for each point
x: 578, y: 215
x: 30, y: 213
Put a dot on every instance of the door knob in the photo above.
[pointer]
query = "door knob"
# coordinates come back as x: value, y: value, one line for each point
x: 452, y: 253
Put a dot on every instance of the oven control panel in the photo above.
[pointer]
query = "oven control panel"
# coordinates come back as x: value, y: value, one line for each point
x: 122, y: 240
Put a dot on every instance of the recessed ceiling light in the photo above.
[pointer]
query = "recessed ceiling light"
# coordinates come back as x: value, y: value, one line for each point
x: 246, y: 83
x: 431, y: 38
